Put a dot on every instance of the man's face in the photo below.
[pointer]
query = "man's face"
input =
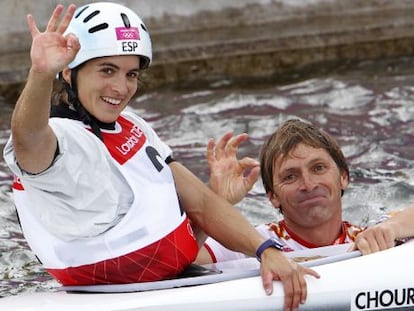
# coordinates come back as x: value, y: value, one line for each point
x: 308, y: 187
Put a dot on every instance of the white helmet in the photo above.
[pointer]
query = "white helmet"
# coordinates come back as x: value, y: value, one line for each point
x: 106, y: 29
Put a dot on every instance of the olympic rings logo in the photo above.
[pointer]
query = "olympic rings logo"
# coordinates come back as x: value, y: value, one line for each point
x: 129, y: 34
x: 123, y: 33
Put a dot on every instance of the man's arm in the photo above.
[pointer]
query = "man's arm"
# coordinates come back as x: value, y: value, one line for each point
x: 223, y: 222
x: 383, y: 235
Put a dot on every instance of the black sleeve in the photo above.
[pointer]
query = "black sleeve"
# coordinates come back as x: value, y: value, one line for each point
x: 169, y: 159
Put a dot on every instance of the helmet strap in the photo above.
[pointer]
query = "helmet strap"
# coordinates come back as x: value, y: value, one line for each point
x: 73, y: 99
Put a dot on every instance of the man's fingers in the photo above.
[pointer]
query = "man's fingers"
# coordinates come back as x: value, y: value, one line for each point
x: 352, y: 248
x: 248, y: 162
x: 380, y: 242
x: 389, y: 238
x: 210, y: 151
x: 376, y: 238
x: 253, y: 176
x: 363, y: 245
x: 233, y: 144
x: 311, y: 272
x: 221, y: 145
x: 267, y: 280
x: 299, y: 290
x: 389, y: 242
x: 228, y: 145
x: 303, y: 285
x: 293, y: 282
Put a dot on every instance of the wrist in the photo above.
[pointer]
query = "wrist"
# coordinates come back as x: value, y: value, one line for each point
x: 269, y: 243
x: 41, y: 74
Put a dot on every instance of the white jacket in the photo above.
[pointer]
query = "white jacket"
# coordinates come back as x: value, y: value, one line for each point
x: 97, y: 202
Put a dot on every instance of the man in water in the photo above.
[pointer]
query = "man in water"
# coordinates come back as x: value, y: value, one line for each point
x: 304, y: 173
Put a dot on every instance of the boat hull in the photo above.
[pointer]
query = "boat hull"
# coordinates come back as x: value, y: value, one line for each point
x: 383, y: 280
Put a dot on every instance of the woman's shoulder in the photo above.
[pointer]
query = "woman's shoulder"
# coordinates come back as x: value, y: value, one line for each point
x: 65, y: 123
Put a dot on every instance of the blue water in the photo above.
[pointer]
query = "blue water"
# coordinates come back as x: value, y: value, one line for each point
x: 366, y: 106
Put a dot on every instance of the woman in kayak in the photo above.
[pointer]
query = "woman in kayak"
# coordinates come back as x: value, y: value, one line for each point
x: 99, y: 195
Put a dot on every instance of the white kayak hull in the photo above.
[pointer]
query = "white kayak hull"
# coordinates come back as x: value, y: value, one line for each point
x: 383, y: 280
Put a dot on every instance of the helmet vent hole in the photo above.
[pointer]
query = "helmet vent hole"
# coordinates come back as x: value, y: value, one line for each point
x: 83, y: 10
x: 126, y: 21
x: 143, y: 27
x: 90, y: 16
x: 98, y: 27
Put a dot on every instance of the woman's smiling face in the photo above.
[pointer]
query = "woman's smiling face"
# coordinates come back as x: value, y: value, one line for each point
x: 107, y: 84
